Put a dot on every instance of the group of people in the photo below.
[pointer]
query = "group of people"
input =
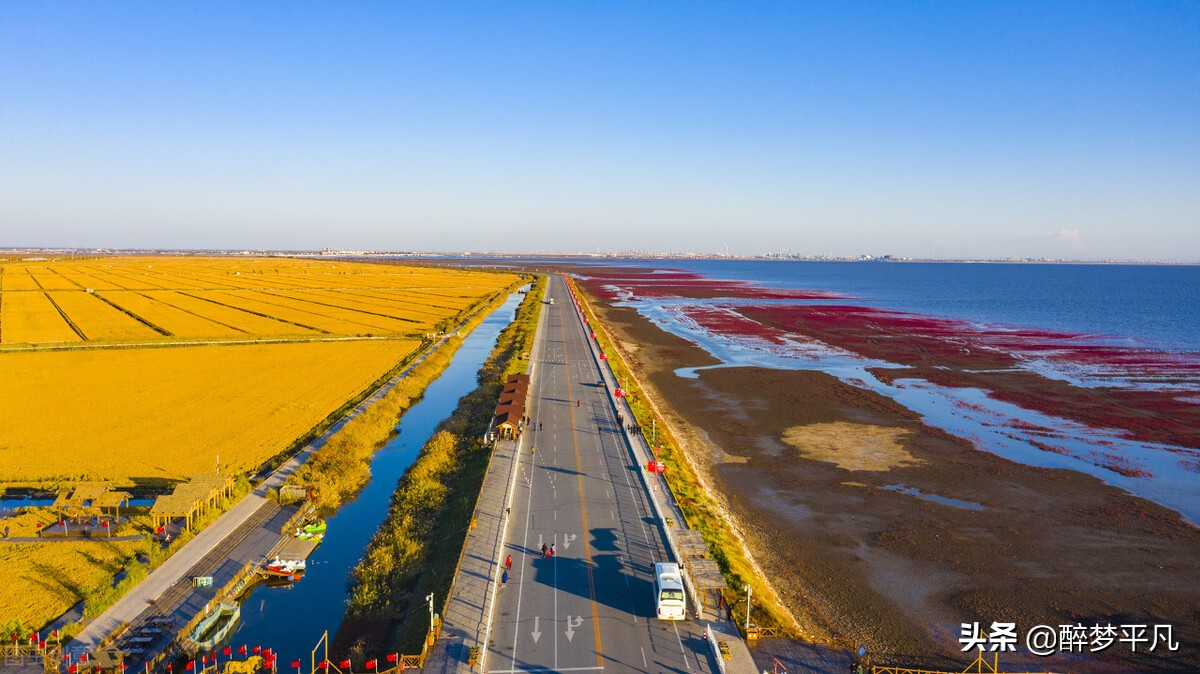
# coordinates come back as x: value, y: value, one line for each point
x: 547, y: 552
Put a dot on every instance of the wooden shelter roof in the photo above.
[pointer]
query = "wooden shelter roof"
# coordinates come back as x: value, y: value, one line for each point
x: 112, y: 499
x: 705, y: 574
x: 174, y: 505
x: 691, y: 543
x: 518, y: 378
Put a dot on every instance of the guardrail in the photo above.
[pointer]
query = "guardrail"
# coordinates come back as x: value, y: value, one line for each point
x: 718, y: 656
x: 637, y: 445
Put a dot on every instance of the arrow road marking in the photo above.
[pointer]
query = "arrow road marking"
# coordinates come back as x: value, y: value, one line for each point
x: 572, y: 623
x: 536, y: 634
x: 567, y: 538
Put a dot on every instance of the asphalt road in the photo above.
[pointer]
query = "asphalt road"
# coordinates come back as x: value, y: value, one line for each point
x: 590, y: 607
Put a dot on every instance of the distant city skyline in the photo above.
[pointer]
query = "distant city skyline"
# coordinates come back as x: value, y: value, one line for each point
x: 929, y: 130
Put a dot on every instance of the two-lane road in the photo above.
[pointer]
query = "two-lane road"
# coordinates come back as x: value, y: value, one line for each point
x: 589, y: 607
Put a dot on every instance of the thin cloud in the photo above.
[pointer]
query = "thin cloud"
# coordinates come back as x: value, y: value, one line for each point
x: 1073, y: 237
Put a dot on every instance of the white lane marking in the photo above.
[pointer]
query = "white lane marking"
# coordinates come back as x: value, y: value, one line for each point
x: 537, y: 632
x: 681, y: 649
x: 644, y: 663
x: 545, y: 669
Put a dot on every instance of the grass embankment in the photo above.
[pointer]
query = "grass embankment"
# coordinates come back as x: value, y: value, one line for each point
x: 699, y: 509
x: 340, y: 468
x: 416, y: 550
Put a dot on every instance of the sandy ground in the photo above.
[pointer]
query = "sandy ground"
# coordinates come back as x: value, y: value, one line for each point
x: 800, y: 460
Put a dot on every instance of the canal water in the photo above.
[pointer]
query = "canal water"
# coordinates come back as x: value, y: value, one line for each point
x: 291, y: 619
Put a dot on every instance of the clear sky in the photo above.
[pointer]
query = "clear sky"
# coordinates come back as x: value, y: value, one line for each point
x: 949, y: 129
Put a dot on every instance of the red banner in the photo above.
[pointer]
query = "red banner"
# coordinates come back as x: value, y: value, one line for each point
x: 372, y: 664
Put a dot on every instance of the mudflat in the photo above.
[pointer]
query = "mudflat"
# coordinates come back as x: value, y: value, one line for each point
x: 878, y: 529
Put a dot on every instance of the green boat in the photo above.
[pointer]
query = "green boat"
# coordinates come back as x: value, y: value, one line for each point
x: 212, y: 630
x: 318, y: 528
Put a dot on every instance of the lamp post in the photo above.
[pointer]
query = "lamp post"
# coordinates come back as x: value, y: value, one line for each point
x: 748, y: 593
x: 429, y: 598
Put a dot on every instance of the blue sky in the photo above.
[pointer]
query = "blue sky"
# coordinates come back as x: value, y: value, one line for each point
x: 951, y: 129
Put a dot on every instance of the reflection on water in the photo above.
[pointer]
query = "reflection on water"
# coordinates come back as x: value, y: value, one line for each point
x: 1166, y: 474
x: 913, y: 491
x: 290, y: 619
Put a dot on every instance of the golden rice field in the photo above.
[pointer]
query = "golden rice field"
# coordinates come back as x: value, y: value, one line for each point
x: 40, y: 581
x: 120, y: 415
x: 164, y: 299
x: 131, y: 410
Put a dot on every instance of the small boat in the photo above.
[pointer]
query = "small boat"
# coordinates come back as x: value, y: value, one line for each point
x: 310, y: 537
x: 213, y: 629
x: 317, y: 528
x: 285, y: 568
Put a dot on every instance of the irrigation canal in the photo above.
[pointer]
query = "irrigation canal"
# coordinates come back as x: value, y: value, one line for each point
x: 291, y: 619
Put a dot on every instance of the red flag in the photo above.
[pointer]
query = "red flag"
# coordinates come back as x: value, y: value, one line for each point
x: 372, y: 664
x: 122, y: 666
x: 257, y: 650
x: 268, y: 651
x: 242, y: 649
x: 39, y: 525
x: 83, y: 658
x: 42, y: 644
x: 72, y: 669
x: 296, y: 664
x: 392, y: 657
x: 344, y: 664
x: 204, y: 659
x: 170, y: 667
x: 147, y: 668
x: 228, y: 650
x: 104, y: 524
x: 190, y: 665
x: 54, y: 634
x: 323, y: 664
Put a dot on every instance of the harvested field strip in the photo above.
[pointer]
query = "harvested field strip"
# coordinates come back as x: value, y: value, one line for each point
x: 63, y: 315
x: 444, y: 301
x: 246, y: 404
x: 344, y: 318
x: 326, y: 300
x: 74, y: 284
x: 140, y: 319
x: 135, y: 280
x: 411, y: 309
x: 249, y: 311
x: 179, y: 322
x: 31, y: 317
x: 92, y: 280
x: 410, y: 299
x: 98, y: 320
x: 48, y: 280
x: 238, y: 319
x: 324, y: 320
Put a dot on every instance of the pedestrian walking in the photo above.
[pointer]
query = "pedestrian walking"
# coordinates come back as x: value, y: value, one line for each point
x: 504, y: 579
x: 508, y: 562
x: 545, y: 550
x: 577, y: 403
x: 551, y: 549
x: 539, y: 425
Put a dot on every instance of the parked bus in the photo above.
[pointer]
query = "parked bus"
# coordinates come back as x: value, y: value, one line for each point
x: 668, y: 592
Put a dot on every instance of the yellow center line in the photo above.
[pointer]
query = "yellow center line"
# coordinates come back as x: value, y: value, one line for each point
x: 587, y: 548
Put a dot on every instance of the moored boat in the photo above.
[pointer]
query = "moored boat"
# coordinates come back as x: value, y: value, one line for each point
x: 212, y: 630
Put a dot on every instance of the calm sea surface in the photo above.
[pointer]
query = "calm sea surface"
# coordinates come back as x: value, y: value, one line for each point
x: 1137, y: 305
